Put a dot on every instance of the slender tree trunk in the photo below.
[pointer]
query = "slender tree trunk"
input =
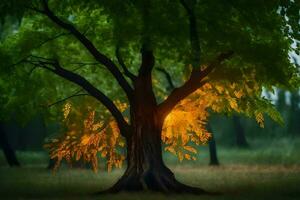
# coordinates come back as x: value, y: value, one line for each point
x: 212, y: 148
x: 213, y: 151
x: 239, y: 133
x: 8, y: 151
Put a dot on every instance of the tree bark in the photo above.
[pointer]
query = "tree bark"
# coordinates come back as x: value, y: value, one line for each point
x: 8, y: 151
x: 146, y: 169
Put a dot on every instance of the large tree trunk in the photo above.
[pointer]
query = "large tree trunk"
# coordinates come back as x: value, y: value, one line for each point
x: 8, y: 151
x: 145, y: 166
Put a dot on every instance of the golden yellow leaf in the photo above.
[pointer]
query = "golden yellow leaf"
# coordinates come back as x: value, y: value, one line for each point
x: 66, y: 110
x: 260, y: 119
x: 170, y: 149
x: 191, y: 149
x: 219, y: 88
x: 180, y: 156
x: 104, y: 153
x: 187, y: 156
x: 238, y: 94
x: 233, y: 104
x: 85, y: 139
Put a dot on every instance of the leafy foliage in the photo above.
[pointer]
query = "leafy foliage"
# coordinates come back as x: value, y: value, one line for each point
x: 186, y: 124
x: 184, y: 127
x: 82, y: 141
x: 260, y: 33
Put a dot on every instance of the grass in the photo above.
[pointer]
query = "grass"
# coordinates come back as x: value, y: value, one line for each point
x: 275, y: 151
x: 263, y: 172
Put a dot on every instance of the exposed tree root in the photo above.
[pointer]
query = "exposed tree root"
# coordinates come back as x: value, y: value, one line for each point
x: 156, y: 181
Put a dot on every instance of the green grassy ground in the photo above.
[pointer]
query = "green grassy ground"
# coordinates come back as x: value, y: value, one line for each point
x: 263, y: 172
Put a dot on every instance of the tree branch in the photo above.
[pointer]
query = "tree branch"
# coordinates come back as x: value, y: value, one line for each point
x: 82, y: 64
x: 195, y: 81
x: 52, y: 38
x: 101, y: 58
x: 194, y: 35
x: 216, y: 62
x: 124, y: 67
x: 31, y: 71
x: 76, y: 94
x: 36, y: 63
x: 168, y: 77
x: 88, y: 87
x: 35, y: 9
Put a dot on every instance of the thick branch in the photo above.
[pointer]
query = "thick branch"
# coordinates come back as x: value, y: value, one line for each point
x: 89, y: 88
x: 194, y: 36
x: 124, y: 67
x: 101, y: 58
x: 195, y: 81
x: 216, y: 62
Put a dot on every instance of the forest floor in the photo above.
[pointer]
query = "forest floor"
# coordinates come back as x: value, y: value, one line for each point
x: 259, y: 173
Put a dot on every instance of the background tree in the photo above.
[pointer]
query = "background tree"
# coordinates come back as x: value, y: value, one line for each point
x: 197, y: 39
x: 212, y: 149
x: 8, y: 151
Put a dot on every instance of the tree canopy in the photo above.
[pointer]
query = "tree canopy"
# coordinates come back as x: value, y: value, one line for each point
x: 260, y: 34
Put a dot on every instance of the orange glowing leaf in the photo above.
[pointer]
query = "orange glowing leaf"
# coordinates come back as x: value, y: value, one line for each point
x: 85, y: 139
x: 180, y: 156
x: 191, y: 149
x: 187, y: 156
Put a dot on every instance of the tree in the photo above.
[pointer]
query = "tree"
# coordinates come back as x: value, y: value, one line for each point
x: 213, y: 150
x: 8, y: 151
x: 220, y: 46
